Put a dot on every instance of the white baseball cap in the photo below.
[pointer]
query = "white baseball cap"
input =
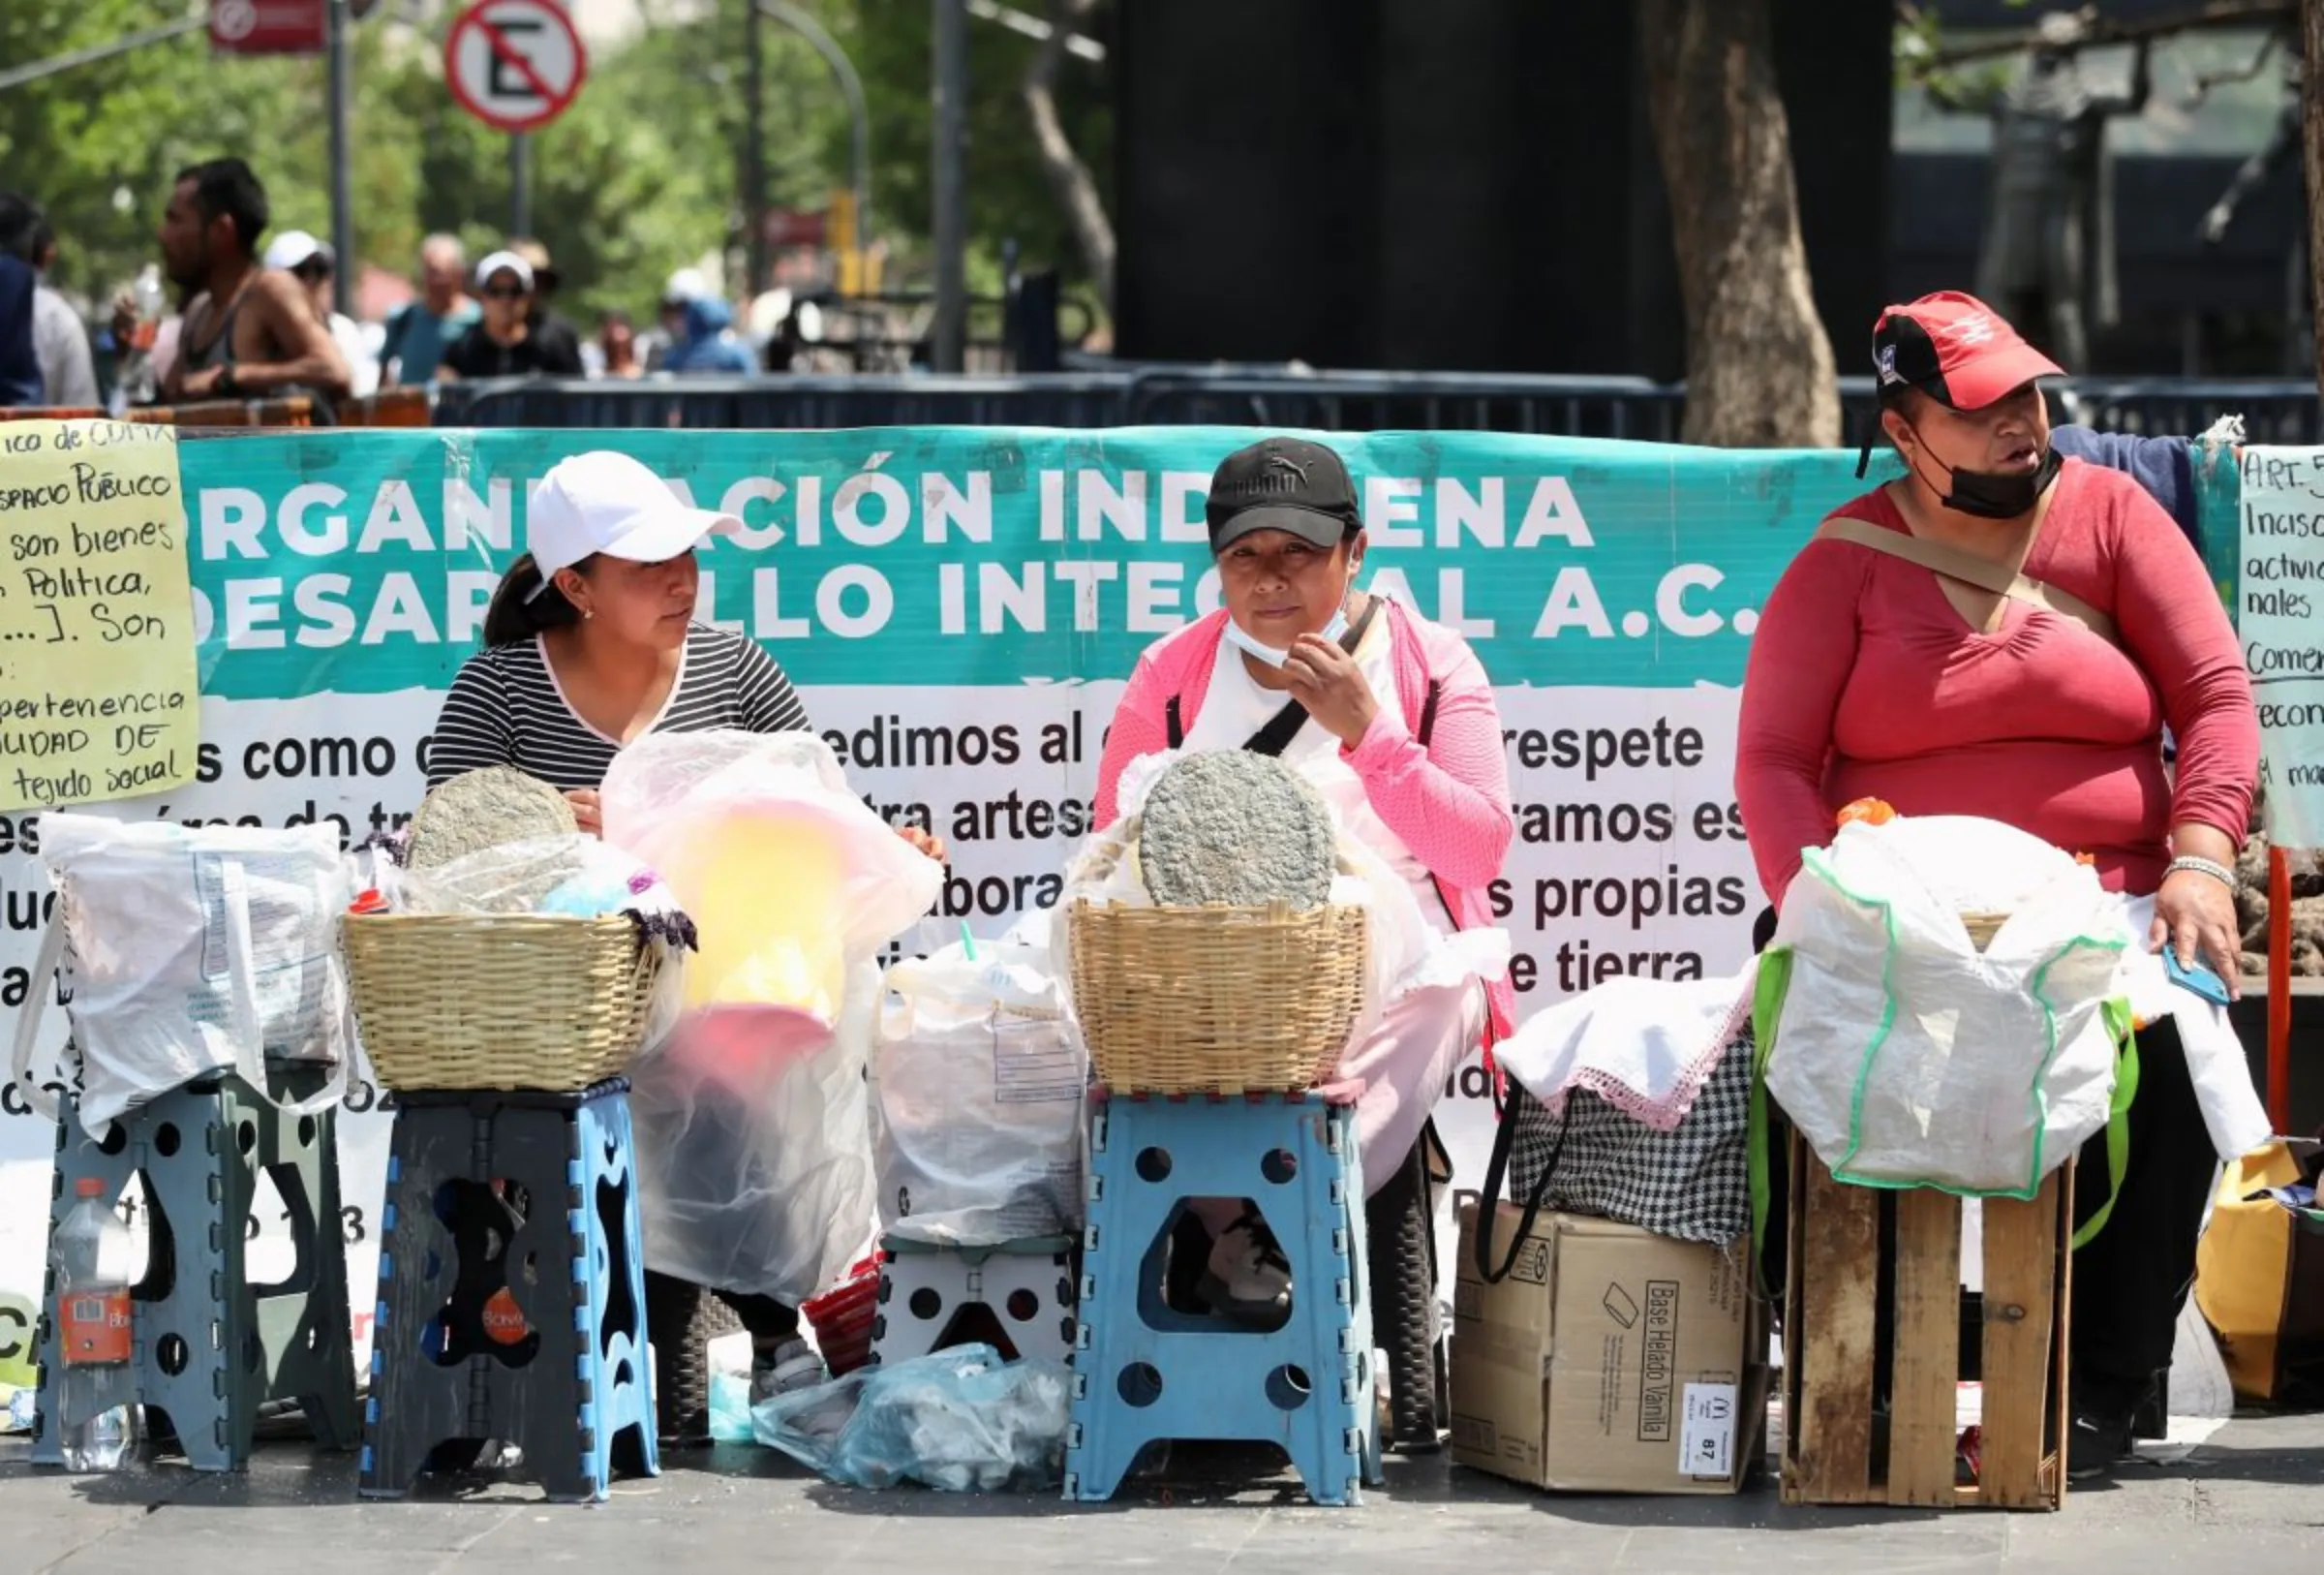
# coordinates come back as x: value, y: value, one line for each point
x: 292, y: 247
x: 504, y: 263
x: 611, y: 504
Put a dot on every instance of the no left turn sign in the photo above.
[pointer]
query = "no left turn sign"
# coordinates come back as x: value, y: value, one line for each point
x: 514, y: 64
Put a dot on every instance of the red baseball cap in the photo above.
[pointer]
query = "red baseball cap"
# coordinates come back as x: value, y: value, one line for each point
x: 1956, y: 350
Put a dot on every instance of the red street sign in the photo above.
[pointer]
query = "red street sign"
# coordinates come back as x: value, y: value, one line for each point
x: 268, y: 26
x: 789, y: 227
x: 514, y: 64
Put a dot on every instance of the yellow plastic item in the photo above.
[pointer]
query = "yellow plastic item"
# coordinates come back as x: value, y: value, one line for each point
x: 2244, y: 1268
x: 765, y: 893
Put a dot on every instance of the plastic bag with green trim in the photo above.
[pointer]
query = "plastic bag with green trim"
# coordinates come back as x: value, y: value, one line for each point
x: 1904, y: 1055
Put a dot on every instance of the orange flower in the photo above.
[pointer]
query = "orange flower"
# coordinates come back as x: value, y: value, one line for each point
x: 1872, y: 811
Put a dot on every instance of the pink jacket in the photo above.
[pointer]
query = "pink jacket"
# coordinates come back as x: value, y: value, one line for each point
x: 1449, y: 802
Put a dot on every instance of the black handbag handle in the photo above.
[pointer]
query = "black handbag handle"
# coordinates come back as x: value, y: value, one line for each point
x: 1488, y: 1206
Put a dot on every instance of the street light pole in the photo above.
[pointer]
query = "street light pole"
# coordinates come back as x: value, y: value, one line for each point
x: 343, y: 203
x: 948, y: 340
x: 520, y: 184
x: 755, y: 147
x: 851, y: 89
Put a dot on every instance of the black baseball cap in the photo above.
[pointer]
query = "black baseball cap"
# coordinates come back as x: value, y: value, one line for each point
x: 1282, y: 484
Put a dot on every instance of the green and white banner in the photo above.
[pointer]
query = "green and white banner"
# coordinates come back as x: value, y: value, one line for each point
x: 959, y: 608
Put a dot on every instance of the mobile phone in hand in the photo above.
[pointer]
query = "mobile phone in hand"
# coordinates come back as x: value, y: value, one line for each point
x: 2196, y: 977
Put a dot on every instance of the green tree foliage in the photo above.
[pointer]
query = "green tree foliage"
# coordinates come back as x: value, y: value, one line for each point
x: 640, y: 178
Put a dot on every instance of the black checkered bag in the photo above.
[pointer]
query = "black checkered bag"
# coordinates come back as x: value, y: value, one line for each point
x: 1691, y: 1183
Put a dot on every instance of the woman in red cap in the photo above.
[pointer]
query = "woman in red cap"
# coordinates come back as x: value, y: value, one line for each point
x: 1874, y: 676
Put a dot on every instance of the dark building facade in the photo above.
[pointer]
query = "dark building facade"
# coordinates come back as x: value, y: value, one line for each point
x: 1448, y: 183
x: 1472, y: 185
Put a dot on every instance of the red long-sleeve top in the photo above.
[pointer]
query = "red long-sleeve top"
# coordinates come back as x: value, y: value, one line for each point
x: 1865, y: 682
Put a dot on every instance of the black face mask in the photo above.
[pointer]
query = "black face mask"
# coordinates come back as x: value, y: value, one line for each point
x: 1988, y: 495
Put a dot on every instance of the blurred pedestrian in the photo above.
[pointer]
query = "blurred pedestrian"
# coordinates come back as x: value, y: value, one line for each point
x: 561, y: 341
x: 60, y: 340
x: 19, y: 363
x: 419, y: 331
x: 312, y: 263
x: 703, y: 339
x: 503, y: 344
x: 248, y: 333
x: 669, y: 319
x: 617, y: 348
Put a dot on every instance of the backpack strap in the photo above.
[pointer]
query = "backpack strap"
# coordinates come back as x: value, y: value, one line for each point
x: 1952, y: 563
x: 1279, y: 730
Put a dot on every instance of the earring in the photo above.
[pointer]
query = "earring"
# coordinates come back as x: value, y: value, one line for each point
x: 589, y: 613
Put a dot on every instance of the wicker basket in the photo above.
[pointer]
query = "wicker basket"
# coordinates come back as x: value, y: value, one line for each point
x: 1984, y: 927
x: 1216, y: 999
x: 521, y: 1001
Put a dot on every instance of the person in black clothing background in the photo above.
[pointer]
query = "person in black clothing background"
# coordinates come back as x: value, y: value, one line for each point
x: 503, y: 343
x: 559, y: 340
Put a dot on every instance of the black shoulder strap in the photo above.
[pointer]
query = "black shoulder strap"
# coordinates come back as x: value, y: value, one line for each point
x: 1275, y: 737
x: 1427, y: 728
x: 1488, y: 1206
x: 1173, y: 720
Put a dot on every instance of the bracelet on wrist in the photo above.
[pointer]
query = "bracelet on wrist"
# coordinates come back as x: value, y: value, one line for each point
x: 2204, y: 866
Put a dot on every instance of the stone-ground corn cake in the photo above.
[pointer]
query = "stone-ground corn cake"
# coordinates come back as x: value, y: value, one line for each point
x: 1231, y: 827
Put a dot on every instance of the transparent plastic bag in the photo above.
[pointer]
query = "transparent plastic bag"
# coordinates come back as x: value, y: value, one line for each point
x: 789, y: 876
x: 191, y: 952
x: 575, y: 875
x: 980, y: 1087
x: 961, y: 1420
x: 754, y: 1145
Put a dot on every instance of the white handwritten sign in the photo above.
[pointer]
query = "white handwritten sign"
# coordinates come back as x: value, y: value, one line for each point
x: 2279, y: 617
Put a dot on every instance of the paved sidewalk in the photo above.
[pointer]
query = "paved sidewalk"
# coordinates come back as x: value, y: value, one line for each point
x: 2252, y: 1499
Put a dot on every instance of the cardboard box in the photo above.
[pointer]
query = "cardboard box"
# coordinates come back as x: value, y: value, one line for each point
x: 1611, y: 1360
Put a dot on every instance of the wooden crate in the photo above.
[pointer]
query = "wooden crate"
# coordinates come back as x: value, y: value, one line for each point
x: 1840, y: 1282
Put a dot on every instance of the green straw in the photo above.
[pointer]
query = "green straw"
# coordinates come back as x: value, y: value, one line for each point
x: 968, y: 940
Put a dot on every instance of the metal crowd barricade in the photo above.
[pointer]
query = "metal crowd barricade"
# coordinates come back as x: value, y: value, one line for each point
x: 786, y: 402
x: 1638, y: 409
x: 1614, y: 407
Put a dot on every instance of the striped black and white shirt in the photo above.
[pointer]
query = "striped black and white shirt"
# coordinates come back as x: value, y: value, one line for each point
x: 506, y: 708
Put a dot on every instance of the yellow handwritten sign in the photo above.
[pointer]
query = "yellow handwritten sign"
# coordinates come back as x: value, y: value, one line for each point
x: 100, y: 696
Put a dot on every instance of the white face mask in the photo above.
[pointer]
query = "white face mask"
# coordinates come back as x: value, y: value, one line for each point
x: 1243, y: 640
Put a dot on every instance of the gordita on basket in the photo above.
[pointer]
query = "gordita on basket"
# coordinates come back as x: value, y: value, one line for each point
x: 501, y: 1000
x: 1216, y: 999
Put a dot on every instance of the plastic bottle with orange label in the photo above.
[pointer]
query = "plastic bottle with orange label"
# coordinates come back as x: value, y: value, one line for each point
x: 91, y: 1254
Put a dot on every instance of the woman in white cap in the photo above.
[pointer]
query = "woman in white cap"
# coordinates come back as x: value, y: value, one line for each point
x: 589, y: 643
x: 502, y: 344
x: 311, y: 262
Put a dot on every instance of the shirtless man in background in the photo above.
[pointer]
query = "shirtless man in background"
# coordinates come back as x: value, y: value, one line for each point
x: 249, y: 333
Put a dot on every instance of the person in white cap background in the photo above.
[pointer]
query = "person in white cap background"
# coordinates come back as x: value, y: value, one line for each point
x: 503, y: 343
x: 701, y: 329
x: 311, y: 262
x: 591, y: 643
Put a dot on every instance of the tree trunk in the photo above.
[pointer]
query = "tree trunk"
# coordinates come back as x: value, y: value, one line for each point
x: 1760, y: 370
x: 2311, y: 108
x: 1070, y: 179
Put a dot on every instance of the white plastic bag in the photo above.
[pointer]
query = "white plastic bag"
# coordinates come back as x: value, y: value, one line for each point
x: 980, y: 1086
x: 1904, y: 1055
x: 192, y: 952
x: 753, y: 1145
